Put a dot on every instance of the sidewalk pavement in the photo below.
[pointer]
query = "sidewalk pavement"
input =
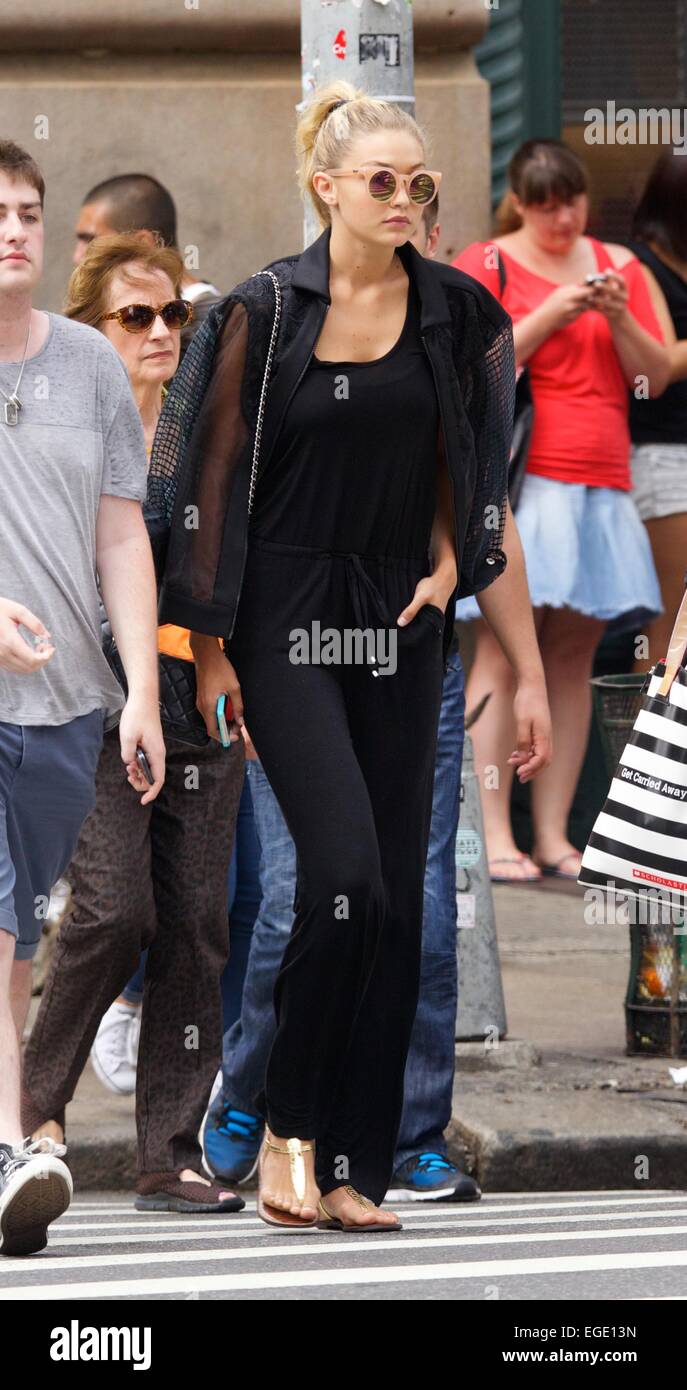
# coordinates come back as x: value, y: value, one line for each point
x: 556, y: 1105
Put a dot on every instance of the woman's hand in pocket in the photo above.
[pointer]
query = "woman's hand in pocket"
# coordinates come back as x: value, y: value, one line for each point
x: 433, y: 589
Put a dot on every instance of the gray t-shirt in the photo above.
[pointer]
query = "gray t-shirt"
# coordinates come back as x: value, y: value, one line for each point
x: 79, y: 435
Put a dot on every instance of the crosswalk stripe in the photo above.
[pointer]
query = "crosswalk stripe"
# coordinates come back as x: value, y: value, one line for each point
x: 111, y: 1205
x: 215, y: 1230
x: 361, y: 1274
x: 299, y: 1246
x: 437, y: 1213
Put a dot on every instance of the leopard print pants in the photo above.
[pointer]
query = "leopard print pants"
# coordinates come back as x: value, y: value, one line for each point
x: 154, y: 876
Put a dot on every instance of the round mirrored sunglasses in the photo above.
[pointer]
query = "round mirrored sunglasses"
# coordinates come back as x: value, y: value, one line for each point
x: 382, y: 184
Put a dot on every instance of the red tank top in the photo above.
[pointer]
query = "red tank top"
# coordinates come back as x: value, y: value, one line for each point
x: 580, y: 432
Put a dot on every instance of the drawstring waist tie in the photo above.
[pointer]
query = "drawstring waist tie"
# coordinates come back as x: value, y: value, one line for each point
x: 368, y: 604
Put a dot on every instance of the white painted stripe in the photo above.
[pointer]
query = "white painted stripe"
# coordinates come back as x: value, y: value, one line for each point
x: 455, y: 1223
x: 651, y: 763
x: 657, y: 726
x: 640, y: 799
x: 360, y: 1274
x: 489, y: 1202
x: 673, y: 847
x: 301, y: 1246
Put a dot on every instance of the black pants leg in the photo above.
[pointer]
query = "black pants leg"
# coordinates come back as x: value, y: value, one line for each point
x: 350, y: 758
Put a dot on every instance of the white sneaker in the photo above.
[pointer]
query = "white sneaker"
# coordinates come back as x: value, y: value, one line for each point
x: 35, y: 1188
x: 115, y: 1050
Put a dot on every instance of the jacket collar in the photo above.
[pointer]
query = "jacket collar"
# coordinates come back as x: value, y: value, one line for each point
x: 311, y: 273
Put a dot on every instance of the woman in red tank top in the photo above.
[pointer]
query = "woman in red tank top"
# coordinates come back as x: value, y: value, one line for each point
x: 586, y: 344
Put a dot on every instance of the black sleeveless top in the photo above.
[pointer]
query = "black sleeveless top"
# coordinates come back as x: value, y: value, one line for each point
x: 664, y: 419
x: 354, y: 468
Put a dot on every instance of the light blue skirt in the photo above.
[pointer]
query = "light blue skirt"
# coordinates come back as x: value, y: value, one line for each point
x: 587, y: 549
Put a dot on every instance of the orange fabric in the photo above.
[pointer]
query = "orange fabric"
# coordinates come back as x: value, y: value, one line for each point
x: 581, y: 432
x: 174, y: 641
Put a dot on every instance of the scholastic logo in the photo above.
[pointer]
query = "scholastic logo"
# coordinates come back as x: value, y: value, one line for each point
x: 656, y: 878
x: 76, y: 1343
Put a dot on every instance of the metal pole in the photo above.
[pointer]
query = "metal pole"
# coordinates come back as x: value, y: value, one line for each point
x: 366, y: 42
x: 481, y: 1007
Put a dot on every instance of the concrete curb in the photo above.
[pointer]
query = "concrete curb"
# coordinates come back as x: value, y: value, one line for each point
x: 538, y: 1161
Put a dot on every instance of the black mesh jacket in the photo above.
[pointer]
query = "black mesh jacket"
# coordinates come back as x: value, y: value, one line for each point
x: 203, y: 449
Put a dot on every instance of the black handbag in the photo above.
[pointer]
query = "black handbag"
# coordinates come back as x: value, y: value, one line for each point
x: 180, y: 719
x: 523, y: 422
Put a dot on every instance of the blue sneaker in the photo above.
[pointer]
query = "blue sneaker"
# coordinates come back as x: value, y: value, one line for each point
x: 231, y: 1142
x: 431, y: 1177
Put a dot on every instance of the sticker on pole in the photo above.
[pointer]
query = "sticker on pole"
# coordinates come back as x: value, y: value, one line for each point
x: 339, y: 45
x: 468, y: 849
x: 465, y: 903
x: 386, y: 46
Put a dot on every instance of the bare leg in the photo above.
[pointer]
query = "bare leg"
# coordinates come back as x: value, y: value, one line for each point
x: 20, y: 995
x: 568, y: 641
x: 493, y: 740
x: 668, y: 536
x: 10, y: 1120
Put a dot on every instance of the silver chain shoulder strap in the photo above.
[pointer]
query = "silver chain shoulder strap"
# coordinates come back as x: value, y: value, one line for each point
x: 265, y: 383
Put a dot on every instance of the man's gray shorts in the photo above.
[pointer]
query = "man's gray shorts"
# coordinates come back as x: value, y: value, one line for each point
x: 47, y: 788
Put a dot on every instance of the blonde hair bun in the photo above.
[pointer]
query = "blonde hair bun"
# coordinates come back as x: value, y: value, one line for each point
x: 329, y: 123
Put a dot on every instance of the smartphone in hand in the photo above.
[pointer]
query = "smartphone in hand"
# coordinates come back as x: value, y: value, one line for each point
x: 144, y: 766
x: 222, y: 721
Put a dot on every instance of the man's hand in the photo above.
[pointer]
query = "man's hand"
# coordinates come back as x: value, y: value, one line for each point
x: 15, y: 653
x: 140, y: 725
x: 533, y: 730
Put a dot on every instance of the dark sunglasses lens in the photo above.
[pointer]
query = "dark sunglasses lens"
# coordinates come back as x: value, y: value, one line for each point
x: 175, y: 314
x: 382, y: 184
x: 422, y: 188
x: 136, y: 318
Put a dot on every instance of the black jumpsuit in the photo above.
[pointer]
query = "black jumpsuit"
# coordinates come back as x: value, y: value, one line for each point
x: 340, y: 536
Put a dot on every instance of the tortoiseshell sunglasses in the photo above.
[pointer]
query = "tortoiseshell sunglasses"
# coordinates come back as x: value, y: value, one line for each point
x: 137, y: 318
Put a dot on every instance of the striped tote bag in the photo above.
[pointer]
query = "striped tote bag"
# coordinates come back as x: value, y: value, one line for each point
x: 639, y: 841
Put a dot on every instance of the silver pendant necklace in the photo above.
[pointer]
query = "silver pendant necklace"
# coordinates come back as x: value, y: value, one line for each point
x: 13, y: 403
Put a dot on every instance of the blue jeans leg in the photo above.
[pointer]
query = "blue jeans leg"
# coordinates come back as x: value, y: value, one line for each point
x: 249, y: 1039
x: 244, y: 903
x: 428, y: 1083
x: 133, y: 989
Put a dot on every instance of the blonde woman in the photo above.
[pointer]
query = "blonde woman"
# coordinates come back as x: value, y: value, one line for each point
x: 383, y: 448
x: 145, y: 876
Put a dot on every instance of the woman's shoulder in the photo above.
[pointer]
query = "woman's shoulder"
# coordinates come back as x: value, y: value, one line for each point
x: 257, y: 285
x: 618, y: 254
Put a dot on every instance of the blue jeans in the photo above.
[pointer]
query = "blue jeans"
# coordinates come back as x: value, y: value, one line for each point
x: 244, y: 896
x: 47, y: 789
x: 428, y: 1082
x: 430, y: 1065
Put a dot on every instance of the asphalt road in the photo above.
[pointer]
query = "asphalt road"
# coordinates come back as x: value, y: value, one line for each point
x: 510, y: 1246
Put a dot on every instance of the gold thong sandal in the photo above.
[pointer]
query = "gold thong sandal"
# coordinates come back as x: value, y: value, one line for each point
x: 334, y: 1223
x: 275, y: 1216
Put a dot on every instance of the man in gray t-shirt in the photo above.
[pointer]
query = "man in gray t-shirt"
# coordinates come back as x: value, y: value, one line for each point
x: 72, y: 478
x: 79, y: 436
